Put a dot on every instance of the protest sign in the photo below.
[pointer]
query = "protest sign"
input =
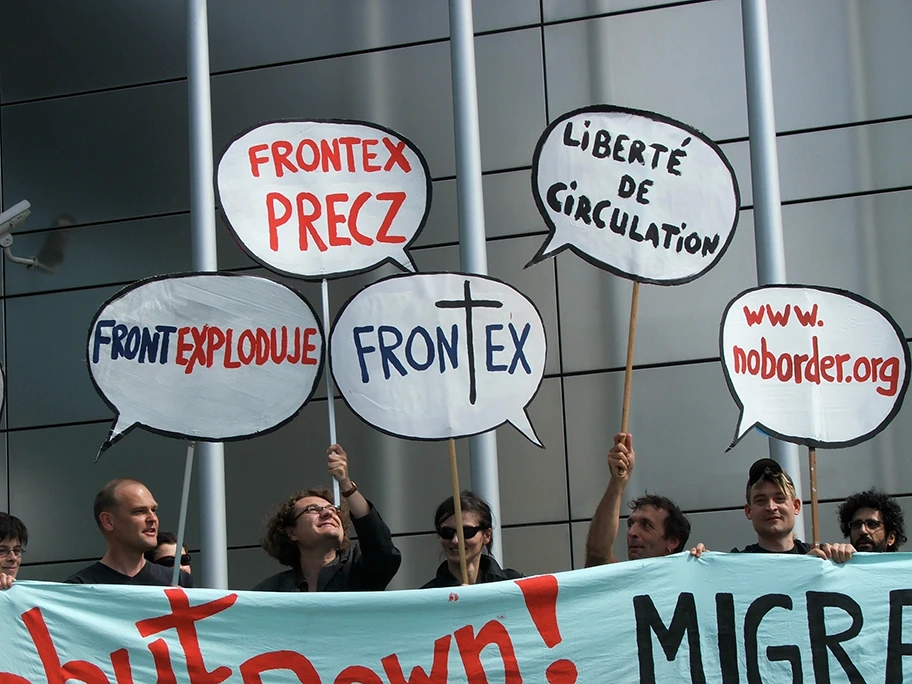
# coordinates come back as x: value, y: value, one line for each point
x: 437, y: 356
x: 641, y: 195
x: 205, y: 356
x: 813, y: 365
x: 721, y: 618
x: 324, y: 198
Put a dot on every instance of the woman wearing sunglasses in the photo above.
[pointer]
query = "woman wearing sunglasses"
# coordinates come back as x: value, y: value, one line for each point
x: 165, y: 553
x: 476, y: 525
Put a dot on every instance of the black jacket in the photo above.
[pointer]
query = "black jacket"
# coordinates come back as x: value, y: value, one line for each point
x: 488, y: 571
x: 367, y: 565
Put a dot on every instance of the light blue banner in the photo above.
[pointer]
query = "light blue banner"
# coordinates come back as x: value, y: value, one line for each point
x: 722, y: 618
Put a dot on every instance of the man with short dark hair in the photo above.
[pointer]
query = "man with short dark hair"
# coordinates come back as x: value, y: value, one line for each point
x: 872, y: 521
x: 127, y: 515
x: 656, y: 526
x: 13, y: 540
x: 310, y: 535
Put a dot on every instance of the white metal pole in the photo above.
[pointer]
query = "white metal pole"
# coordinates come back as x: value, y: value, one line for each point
x: 470, y: 202
x: 330, y: 393
x: 765, y: 183
x: 211, y: 456
x: 182, y: 520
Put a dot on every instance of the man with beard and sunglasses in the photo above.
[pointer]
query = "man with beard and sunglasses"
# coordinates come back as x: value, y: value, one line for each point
x: 872, y: 521
x: 127, y: 515
x: 310, y: 535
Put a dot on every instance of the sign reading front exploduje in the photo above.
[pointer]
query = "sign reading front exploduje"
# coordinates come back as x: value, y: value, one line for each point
x: 205, y: 356
x: 641, y: 195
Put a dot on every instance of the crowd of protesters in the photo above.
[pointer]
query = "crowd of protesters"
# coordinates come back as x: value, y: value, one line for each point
x: 309, y: 534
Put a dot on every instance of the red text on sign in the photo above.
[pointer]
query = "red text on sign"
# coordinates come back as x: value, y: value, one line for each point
x: 330, y: 217
x: 817, y: 369
x: 347, y: 153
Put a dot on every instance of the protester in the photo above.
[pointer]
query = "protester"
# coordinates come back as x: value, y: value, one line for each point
x: 872, y: 521
x: 772, y: 505
x: 13, y: 540
x: 165, y: 553
x: 126, y: 513
x: 656, y: 526
x: 309, y: 534
x: 477, y: 530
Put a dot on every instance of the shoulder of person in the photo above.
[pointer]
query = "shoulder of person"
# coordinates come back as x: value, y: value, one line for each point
x: 281, y: 581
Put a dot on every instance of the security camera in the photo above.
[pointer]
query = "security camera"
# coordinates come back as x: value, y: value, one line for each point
x: 11, y: 218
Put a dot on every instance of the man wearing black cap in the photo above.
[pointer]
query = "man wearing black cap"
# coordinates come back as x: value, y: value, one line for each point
x: 772, y: 506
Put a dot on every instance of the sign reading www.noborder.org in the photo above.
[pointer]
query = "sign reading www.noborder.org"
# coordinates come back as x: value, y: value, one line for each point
x: 812, y: 365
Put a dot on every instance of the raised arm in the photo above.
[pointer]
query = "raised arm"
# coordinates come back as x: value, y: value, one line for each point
x: 603, y: 529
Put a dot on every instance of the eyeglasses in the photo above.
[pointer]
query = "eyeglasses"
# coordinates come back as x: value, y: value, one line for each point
x: 168, y: 561
x: 16, y: 551
x: 872, y: 524
x: 316, y: 509
x: 468, y: 531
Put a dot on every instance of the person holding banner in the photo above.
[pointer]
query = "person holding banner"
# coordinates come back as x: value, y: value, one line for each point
x: 477, y: 530
x: 772, y: 505
x: 872, y: 521
x: 13, y: 540
x: 310, y: 534
x: 127, y: 515
x: 656, y: 525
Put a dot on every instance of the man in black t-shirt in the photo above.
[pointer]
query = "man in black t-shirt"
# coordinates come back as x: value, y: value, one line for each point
x: 772, y: 505
x: 126, y: 513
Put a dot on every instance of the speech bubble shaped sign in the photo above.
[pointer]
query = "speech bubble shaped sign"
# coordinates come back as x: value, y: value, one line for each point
x: 434, y: 356
x: 641, y: 195
x: 206, y: 356
x: 324, y: 198
x: 812, y: 365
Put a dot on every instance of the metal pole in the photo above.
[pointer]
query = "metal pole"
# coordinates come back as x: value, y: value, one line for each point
x: 765, y: 179
x: 473, y: 256
x: 211, y: 456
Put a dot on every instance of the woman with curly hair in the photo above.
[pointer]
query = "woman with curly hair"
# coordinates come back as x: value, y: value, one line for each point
x: 310, y: 535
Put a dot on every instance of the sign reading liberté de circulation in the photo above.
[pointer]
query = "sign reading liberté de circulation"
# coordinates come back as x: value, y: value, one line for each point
x: 319, y: 199
x: 636, y: 193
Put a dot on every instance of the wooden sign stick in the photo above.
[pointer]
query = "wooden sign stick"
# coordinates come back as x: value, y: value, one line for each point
x: 457, y: 502
x: 815, y: 522
x: 631, y: 340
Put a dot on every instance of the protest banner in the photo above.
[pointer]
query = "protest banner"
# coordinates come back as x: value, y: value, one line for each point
x: 815, y: 366
x: 721, y: 618
x: 636, y: 193
x: 205, y: 356
x: 324, y: 198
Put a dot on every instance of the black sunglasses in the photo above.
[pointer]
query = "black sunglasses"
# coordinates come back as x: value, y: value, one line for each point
x: 168, y: 561
x: 468, y: 531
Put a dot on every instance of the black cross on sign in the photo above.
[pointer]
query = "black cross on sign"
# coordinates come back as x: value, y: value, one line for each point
x: 469, y: 304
